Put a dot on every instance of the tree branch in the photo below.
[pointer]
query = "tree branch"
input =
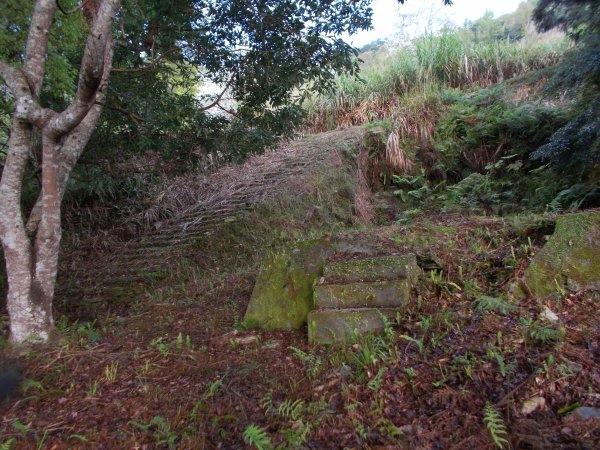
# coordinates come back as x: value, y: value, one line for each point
x: 142, y: 68
x: 71, y: 11
x: 218, y: 99
x: 228, y: 111
x: 98, y: 45
x: 73, y: 144
x: 133, y: 116
x: 14, y: 79
x: 37, y: 44
x: 26, y: 107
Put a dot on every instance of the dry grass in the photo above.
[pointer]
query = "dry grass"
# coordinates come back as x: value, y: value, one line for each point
x: 395, y: 157
x: 445, y: 60
x: 199, y: 219
x: 363, y: 198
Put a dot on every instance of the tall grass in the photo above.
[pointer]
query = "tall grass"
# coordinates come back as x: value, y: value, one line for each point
x: 432, y: 61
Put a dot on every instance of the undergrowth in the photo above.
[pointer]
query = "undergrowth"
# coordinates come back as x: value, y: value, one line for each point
x: 448, y: 59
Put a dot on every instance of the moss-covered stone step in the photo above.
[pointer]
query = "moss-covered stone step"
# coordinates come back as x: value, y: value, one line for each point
x: 283, y: 293
x: 343, y: 326
x: 374, y: 294
x: 373, y: 269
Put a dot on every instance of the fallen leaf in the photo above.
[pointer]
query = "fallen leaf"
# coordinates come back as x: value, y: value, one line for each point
x: 532, y: 405
x: 548, y: 315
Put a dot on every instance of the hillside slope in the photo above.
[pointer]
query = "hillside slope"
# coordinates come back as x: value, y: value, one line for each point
x: 181, y: 227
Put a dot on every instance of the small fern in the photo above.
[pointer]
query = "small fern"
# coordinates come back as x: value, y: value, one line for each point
x: 267, y: 402
x: 291, y: 409
x: 541, y: 333
x: 31, y: 384
x: 312, y: 361
x: 162, y: 431
x: 495, y: 425
x: 257, y: 437
x: 375, y: 383
x: 296, y: 436
x: 7, y: 445
x: 493, y: 304
x: 493, y: 353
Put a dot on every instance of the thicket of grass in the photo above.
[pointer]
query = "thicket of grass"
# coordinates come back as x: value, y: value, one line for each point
x: 485, y: 120
x: 446, y: 60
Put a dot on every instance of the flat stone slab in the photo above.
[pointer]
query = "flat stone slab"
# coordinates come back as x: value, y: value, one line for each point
x: 373, y: 269
x: 343, y: 326
x: 362, y: 295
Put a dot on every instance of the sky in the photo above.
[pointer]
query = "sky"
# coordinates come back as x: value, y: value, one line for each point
x: 387, y: 19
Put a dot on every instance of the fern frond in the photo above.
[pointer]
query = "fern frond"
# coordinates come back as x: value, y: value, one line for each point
x: 539, y: 332
x: 493, y: 304
x: 7, y: 445
x: 257, y: 437
x: 495, y: 425
x: 267, y: 402
x: 375, y: 383
x: 291, y: 409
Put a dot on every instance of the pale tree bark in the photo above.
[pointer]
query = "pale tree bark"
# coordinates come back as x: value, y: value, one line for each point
x: 32, y: 261
x: 71, y: 149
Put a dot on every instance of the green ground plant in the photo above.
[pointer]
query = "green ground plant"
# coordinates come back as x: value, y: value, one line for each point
x: 162, y: 431
x: 540, y: 332
x: 493, y: 304
x: 495, y: 425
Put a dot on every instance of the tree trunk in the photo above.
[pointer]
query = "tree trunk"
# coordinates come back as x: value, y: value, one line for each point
x: 27, y: 317
x: 70, y: 151
x: 32, y: 263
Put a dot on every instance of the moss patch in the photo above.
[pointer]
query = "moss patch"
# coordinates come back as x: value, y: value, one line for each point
x: 373, y: 269
x: 570, y: 259
x: 356, y: 295
x: 283, y: 293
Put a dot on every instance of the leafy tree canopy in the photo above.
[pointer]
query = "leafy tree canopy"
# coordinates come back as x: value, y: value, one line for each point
x: 266, y: 53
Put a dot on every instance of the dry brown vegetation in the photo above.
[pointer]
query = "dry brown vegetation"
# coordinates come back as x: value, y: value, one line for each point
x: 415, y: 74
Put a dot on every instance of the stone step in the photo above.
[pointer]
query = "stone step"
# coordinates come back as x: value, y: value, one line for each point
x: 373, y: 269
x: 374, y: 294
x: 343, y: 326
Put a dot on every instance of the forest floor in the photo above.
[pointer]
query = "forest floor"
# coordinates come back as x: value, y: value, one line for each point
x: 464, y: 366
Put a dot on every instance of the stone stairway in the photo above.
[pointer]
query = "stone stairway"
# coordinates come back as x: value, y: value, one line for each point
x: 353, y: 296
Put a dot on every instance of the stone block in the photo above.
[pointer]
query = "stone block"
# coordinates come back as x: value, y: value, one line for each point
x: 283, y: 293
x: 570, y: 259
x: 344, y: 326
x: 362, y: 295
x: 373, y: 269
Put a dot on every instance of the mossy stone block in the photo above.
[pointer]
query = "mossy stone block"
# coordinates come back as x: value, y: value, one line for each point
x: 283, y: 293
x: 373, y: 269
x: 570, y: 259
x: 357, y: 295
x: 344, y: 326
